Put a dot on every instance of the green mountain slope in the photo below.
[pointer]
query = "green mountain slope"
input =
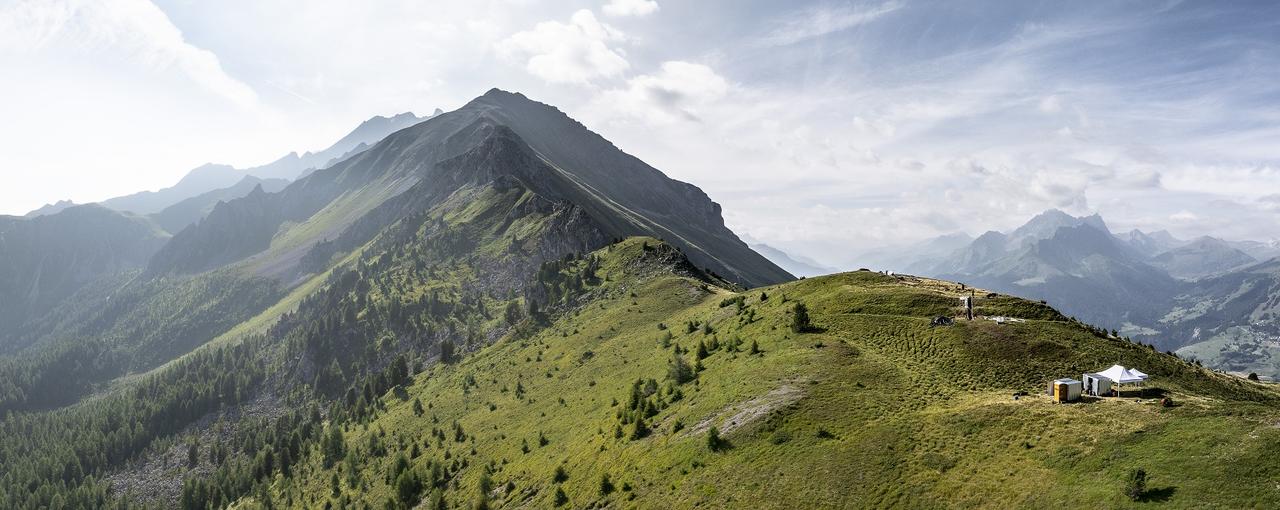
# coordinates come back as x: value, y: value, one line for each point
x: 871, y: 408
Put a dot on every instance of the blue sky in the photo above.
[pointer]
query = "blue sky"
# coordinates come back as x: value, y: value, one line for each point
x: 822, y: 127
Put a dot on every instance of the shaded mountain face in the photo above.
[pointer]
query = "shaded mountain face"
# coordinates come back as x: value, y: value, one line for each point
x: 46, y: 259
x: 498, y: 137
x: 1201, y: 257
x: 640, y: 199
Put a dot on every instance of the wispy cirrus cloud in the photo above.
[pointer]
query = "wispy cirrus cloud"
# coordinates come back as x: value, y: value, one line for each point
x: 823, y: 19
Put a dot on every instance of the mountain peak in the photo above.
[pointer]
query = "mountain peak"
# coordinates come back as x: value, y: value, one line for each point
x: 496, y: 97
x: 1045, y: 224
x: 53, y: 208
x: 499, y: 93
x: 500, y: 139
x: 398, y: 118
x: 1208, y: 241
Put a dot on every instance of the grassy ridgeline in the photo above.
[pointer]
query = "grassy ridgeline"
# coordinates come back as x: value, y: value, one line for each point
x: 872, y: 408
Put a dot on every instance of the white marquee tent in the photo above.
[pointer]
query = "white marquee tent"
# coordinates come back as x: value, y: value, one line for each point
x: 1120, y: 375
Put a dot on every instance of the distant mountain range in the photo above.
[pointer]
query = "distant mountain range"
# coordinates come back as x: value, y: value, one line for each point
x: 209, y: 178
x: 1074, y: 263
x: 1201, y: 257
x: 1211, y: 298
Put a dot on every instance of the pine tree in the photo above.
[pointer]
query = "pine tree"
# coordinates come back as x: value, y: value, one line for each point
x: 606, y: 485
x: 446, y: 351
x: 334, y: 446
x: 639, y: 429
x: 1136, y: 484
x: 484, y: 486
x: 800, y: 319
x: 678, y: 370
x: 513, y: 313
x: 714, y: 442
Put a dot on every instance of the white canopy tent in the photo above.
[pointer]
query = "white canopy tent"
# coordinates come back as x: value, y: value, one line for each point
x: 1120, y: 375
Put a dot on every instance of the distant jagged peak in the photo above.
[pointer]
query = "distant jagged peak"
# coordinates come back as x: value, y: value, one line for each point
x: 1155, y: 235
x: 397, y: 118
x: 497, y: 93
x: 1208, y: 241
x: 198, y: 176
x: 1055, y: 218
x: 991, y: 235
x: 53, y: 208
x: 1046, y: 224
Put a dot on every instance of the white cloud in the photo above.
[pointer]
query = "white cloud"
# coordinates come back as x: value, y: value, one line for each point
x: 825, y: 19
x: 875, y: 127
x: 621, y: 8
x: 135, y: 29
x: 1183, y: 217
x: 1051, y: 104
x: 575, y: 52
x: 678, y: 91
